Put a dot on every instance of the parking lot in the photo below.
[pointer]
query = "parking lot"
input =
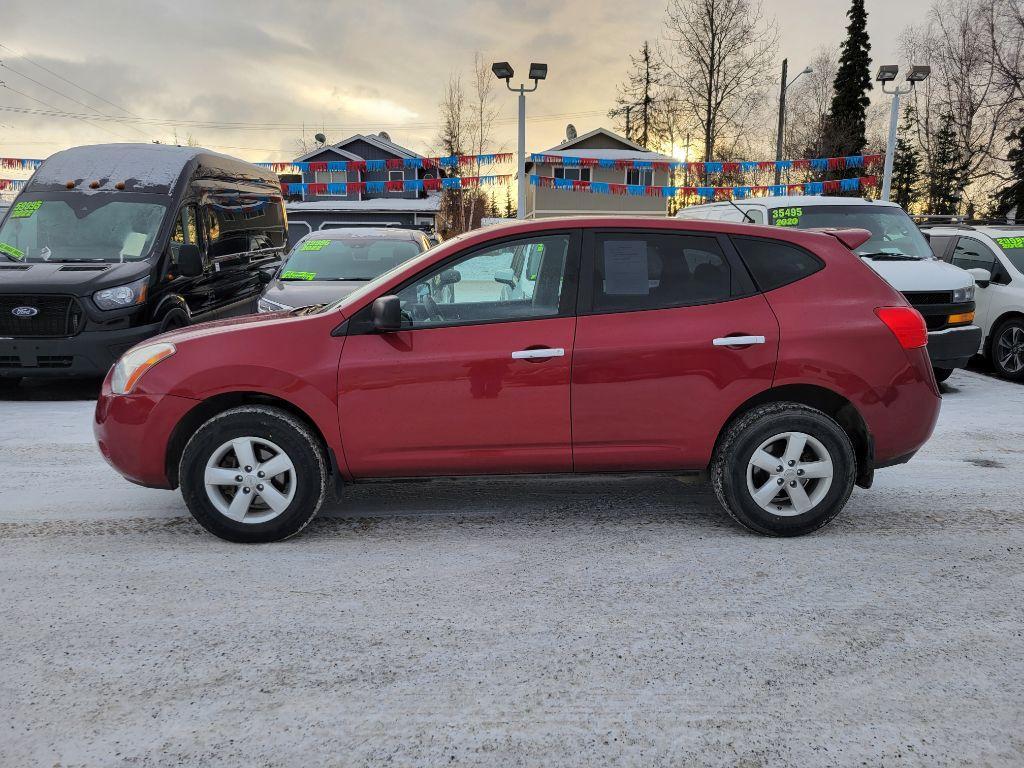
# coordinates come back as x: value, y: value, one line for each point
x: 515, y: 622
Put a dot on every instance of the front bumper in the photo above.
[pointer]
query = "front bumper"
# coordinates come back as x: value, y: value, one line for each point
x: 90, y: 353
x: 953, y: 347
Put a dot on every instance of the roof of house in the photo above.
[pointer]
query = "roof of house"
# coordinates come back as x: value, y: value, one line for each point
x: 374, y: 139
x: 344, y: 155
x: 569, y: 143
x: 630, y: 150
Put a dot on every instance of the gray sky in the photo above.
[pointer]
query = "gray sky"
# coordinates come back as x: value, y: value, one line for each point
x: 349, y: 66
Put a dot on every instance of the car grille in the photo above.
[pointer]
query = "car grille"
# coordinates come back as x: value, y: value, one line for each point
x: 57, y: 316
x: 916, y: 298
x: 43, y: 361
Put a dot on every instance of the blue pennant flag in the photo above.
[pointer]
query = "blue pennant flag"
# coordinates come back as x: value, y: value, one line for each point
x: 412, y: 162
x: 570, y: 161
x: 705, y: 191
x: 295, y: 189
x: 337, y: 165
x: 713, y: 167
x: 563, y: 183
x: 740, y: 192
x: 820, y: 163
x: 449, y: 162
x: 600, y: 187
x: 302, y: 166
x: 783, y: 165
x: 813, y: 188
x: 413, y: 185
x: 849, y: 185
x: 855, y: 161
x: 636, y: 189
x: 337, y: 188
x: 451, y: 183
x: 748, y: 166
x: 376, y: 165
x: 376, y: 187
x: 604, y: 162
x: 669, y: 191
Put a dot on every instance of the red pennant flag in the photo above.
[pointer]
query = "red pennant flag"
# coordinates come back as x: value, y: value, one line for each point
x: 836, y: 163
x: 316, y: 189
x: 394, y: 186
x: 432, y: 184
x: 318, y: 167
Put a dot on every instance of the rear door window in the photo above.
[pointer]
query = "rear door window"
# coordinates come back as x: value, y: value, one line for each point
x: 774, y: 264
x: 973, y: 254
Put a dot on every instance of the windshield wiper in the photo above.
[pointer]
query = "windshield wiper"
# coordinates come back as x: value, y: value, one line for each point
x: 885, y: 256
x: 76, y: 261
x: 351, y: 279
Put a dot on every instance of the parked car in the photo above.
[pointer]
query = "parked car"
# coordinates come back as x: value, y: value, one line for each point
x: 773, y: 358
x: 994, y: 255
x: 331, y: 263
x: 109, y: 245
x: 896, y: 250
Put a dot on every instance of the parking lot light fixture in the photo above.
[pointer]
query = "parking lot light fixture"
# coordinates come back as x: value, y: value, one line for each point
x: 886, y: 74
x: 503, y: 71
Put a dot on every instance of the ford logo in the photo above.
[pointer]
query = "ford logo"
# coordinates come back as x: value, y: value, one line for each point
x: 25, y: 312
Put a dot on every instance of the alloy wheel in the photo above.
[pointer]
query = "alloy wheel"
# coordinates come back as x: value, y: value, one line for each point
x: 789, y: 474
x: 1010, y: 349
x: 250, y: 480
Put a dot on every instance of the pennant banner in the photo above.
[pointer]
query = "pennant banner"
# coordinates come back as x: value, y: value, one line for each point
x: 711, y: 193
x: 403, y: 185
x: 12, y: 185
x: 452, y: 161
x: 746, y: 166
x: 19, y: 162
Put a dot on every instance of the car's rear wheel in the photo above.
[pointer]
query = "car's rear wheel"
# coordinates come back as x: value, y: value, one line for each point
x: 784, y: 469
x: 1007, y: 352
x: 253, y: 474
x: 941, y: 374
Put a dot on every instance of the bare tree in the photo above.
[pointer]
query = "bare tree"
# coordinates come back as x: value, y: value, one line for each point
x: 454, y: 131
x: 716, y: 55
x: 808, y: 104
x: 1004, y: 25
x: 637, y: 99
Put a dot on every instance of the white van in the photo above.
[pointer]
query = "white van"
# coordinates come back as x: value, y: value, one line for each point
x: 897, y: 251
x: 994, y: 255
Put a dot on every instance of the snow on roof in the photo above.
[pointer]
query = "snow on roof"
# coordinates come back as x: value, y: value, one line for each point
x: 374, y: 233
x: 568, y: 143
x: 610, y: 154
x: 319, y: 150
x: 422, y: 205
x: 800, y: 200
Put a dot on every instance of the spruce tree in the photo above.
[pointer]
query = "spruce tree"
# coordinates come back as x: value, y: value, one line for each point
x: 846, y: 125
x: 906, y: 165
x: 1011, y: 197
x: 944, y: 176
x: 635, y: 106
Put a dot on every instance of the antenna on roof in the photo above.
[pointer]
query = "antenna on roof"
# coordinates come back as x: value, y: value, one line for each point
x: 570, y: 132
x: 320, y: 139
x: 384, y: 135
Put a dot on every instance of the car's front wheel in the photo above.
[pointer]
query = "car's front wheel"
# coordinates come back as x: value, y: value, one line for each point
x: 784, y: 469
x: 1008, y: 349
x: 253, y: 474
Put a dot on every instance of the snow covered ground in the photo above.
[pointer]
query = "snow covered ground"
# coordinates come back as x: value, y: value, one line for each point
x: 516, y: 622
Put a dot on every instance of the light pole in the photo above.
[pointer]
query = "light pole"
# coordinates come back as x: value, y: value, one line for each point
x: 503, y: 71
x: 781, y: 132
x: 887, y: 74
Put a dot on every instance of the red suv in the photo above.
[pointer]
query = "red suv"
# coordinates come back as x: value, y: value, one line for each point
x: 776, y: 360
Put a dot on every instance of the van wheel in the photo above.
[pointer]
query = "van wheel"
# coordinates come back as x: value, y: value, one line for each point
x: 784, y: 469
x: 1007, y: 350
x: 175, y: 319
x: 253, y: 474
x: 941, y: 374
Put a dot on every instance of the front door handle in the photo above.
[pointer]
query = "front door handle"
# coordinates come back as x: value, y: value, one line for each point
x: 538, y: 354
x: 737, y: 341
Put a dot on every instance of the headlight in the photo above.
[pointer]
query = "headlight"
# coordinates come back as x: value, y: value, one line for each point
x: 122, y: 295
x: 960, y: 295
x: 266, y: 305
x: 134, y: 364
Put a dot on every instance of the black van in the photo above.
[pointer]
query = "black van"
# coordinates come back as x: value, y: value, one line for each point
x: 111, y: 244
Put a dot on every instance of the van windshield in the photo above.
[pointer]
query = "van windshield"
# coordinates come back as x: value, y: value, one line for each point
x: 77, y: 229
x: 357, y: 258
x: 893, y: 233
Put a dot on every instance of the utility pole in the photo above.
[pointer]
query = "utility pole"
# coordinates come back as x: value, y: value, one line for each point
x: 782, y: 120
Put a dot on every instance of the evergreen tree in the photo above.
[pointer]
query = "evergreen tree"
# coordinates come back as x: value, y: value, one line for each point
x: 510, y: 208
x: 637, y: 99
x: 945, y: 171
x: 906, y: 164
x: 1011, y: 197
x: 846, y: 125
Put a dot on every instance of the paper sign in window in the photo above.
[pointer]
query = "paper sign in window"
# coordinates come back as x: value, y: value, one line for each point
x: 133, y: 244
x: 625, y: 268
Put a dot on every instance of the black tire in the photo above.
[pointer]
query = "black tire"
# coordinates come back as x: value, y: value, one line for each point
x: 746, y: 434
x: 174, y: 320
x: 941, y: 374
x: 262, y: 423
x: 1006, y: 330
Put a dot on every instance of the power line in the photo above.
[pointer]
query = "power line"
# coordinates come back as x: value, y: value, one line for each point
x: 84, y: 119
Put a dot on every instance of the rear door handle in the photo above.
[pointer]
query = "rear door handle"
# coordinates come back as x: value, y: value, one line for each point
x: 737, y: 341
x: 538, y: 354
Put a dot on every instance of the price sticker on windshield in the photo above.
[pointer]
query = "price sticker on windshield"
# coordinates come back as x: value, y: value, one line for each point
x: 11, y: 251
x: 313, y: 245
x: 786, y: 217
x: 1006, y: 243
x: 25, y: 209
x: 289, y: 274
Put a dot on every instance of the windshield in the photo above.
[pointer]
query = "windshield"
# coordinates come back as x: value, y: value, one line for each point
x: 1013, y: 247
x: 355, y: 258
x: 80, y: 229
x: 892, y: 231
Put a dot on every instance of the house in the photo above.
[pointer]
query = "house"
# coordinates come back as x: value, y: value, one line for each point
x: 360, y: 149
x: 360, y: 206
x: 543, y: 201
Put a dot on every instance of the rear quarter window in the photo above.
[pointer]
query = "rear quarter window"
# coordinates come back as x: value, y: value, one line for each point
x: 773, y: 263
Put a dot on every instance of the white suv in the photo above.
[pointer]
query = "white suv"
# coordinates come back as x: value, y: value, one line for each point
x: 897, y: 251
x: 995, y: 256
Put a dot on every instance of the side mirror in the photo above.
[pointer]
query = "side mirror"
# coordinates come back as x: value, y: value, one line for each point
x: 450, y: 277
x: 981, y: 276
x: 190, y: 260
x: 266, y: 277
x: 387, y: 314
x: 505, y: 277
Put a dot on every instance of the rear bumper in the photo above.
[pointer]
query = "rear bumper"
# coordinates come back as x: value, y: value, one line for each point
x: 90, y: 353
x: 953, y: 347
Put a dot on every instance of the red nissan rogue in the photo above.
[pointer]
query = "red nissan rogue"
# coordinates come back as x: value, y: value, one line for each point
x: 774, y: 359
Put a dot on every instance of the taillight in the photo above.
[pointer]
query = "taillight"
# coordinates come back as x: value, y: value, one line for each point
x: 906, y: 324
